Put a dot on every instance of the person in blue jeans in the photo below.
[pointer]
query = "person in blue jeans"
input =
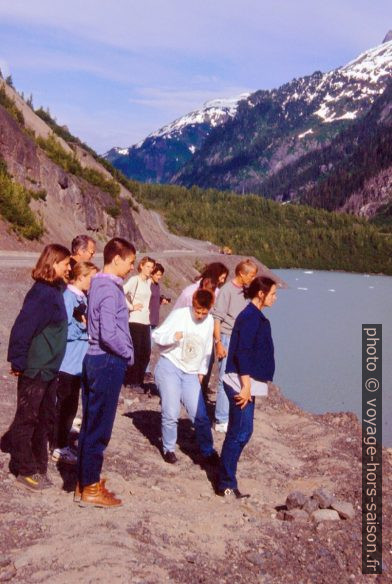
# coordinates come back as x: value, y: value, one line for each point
x: 228, y: 305
x: 185, y: 340
x: 250, y: 364
x: 109, y: 354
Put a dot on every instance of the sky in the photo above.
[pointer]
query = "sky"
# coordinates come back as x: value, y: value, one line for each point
x: 114, y: 71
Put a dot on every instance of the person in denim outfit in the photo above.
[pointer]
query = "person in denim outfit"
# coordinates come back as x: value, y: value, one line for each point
x: 185, y: 340
x: 250, y: 364
x: 104, y: 366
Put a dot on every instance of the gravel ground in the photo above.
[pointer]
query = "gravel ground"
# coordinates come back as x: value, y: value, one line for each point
x: 172, y: 527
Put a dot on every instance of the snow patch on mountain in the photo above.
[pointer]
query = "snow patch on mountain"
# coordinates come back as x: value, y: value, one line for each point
x: 213, y: 112
x: 300, y: 136
x: 344, y: 92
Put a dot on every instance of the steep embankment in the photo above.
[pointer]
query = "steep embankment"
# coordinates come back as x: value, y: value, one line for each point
x: 76, y: 194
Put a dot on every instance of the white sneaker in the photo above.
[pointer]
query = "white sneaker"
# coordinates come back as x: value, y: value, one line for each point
x: 64, y: 455
x: 221, y: 427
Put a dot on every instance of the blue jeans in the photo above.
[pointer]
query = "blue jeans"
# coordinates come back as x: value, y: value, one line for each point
x: 176, y: 387
x: 222, y: 403
x: 238, y: 434
x: 102, y: 378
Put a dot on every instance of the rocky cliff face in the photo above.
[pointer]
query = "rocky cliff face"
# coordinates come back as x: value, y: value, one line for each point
x: 72, y: 204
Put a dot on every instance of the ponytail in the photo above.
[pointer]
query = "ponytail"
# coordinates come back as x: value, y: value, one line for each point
x: 259, y: 284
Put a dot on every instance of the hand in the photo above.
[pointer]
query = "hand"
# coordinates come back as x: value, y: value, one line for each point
x: 164, y: 301
x: 15, y: 373
x: 137, y: 307
x: 243, y: 397
x: 221, y: 352
x: 178, y: 336
x: 200, y: 376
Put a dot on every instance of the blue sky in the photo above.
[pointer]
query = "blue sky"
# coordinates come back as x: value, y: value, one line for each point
x: 114, y: 71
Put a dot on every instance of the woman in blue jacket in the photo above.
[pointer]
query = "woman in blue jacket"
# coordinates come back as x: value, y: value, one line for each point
x: 36, y: 349
x: 250, y: 364
x: 69, y: 377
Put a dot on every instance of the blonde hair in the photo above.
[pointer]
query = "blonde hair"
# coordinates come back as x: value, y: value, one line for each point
x: 245, y: 266
x: 44, y: 271
x: 144, y: 261
x: 82, y: 269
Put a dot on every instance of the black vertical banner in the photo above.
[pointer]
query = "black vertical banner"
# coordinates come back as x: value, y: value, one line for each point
x: 371, y: 448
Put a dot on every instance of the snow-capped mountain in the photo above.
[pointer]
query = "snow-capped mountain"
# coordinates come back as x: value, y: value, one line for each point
x: 213, y: 113
x: 164, y: 152
x: 254, y: 138
x: 273, y: 129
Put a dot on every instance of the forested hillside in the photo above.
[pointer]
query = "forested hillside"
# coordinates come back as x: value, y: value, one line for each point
x: 281, y: 236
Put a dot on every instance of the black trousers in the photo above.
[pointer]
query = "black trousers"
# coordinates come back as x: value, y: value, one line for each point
x: 141, y: 338
x: 67, y: 401
x: 32, y: 426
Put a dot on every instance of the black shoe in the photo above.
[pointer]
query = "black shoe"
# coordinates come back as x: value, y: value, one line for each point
x: 213, y: 459
x: 231, y: 492
x: 170, y: 457
x: 6, y: 442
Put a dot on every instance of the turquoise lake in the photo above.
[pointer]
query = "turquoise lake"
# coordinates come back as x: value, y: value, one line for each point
x: 316, y: 327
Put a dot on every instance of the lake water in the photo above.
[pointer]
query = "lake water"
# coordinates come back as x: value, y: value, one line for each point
x: 316, y: 326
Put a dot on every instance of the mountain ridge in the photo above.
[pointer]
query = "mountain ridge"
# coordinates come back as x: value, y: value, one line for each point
x: 162, y: 153
x: 271, y: 130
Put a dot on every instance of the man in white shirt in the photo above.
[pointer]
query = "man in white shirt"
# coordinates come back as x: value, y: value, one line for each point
x: 185, y: 340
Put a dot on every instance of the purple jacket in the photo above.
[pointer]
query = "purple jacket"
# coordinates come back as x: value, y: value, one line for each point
x: 108, y: 327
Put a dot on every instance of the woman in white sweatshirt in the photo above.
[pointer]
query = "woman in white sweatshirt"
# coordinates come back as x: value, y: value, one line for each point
x: 138, y: 294
x: 185, y: 341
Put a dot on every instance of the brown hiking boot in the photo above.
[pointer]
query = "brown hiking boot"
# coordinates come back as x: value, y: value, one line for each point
x: 78, y: 493
x: 97, y: 496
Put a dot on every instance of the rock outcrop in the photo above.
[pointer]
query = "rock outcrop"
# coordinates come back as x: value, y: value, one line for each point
x: 72, y: 205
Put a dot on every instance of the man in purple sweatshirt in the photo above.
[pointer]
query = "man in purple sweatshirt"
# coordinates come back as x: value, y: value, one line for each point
x: 110, y: 352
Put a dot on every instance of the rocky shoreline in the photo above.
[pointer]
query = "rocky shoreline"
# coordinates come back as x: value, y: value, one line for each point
x: 173, y: 528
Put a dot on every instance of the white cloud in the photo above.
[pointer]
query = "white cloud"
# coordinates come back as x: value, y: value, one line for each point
x: 225, y: 27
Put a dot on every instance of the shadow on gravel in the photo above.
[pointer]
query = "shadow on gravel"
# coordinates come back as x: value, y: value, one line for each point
x: 149, y: 424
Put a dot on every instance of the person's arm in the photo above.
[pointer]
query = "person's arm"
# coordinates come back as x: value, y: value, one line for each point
x: 244, y: 396
x: 221, y: 310
x: 130, y: 289
x: 32, y: 319
x: 76, y: 330
x: 247, y: 337
x: 108, y: 331
x: 220, y: 350
x: 171, y: 330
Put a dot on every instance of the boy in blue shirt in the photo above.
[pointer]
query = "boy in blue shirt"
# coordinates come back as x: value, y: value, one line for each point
x: 110, y: 352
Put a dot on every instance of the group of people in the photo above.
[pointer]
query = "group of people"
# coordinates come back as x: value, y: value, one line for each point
x: 84, y: 328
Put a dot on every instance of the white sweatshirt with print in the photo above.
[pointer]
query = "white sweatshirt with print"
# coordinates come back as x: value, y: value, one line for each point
x: 192, y: 353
